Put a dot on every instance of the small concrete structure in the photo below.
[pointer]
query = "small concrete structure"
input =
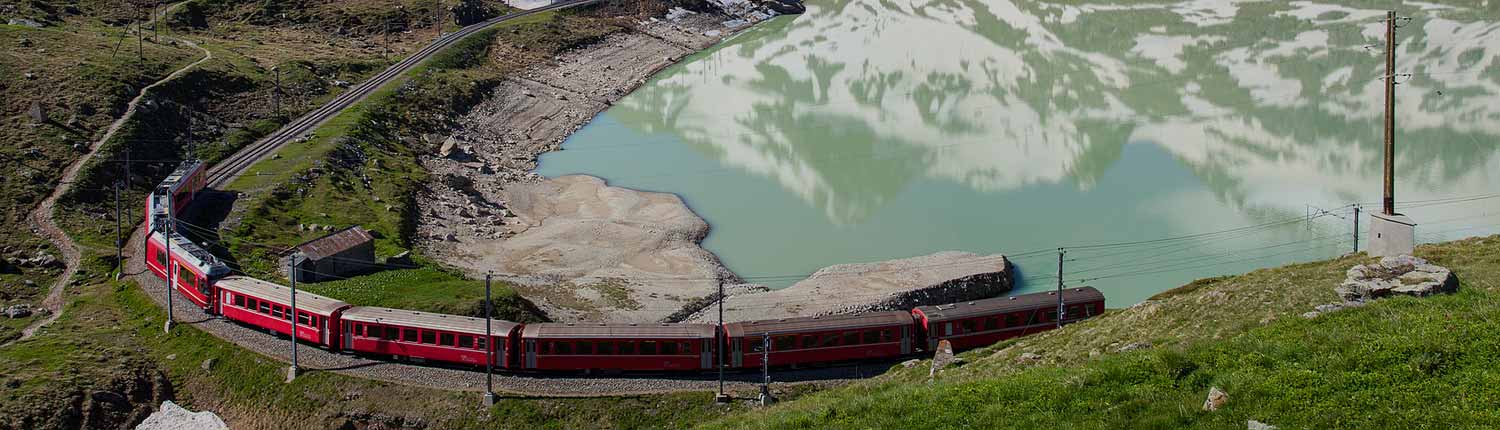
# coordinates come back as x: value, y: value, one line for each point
x: 1392, y: 235
x: 346, y: 252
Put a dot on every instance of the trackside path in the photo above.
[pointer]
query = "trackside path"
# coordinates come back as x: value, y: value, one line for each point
x: 41, y: 217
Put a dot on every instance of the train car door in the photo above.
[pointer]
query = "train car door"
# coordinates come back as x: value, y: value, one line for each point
x: 736, y: 351
x: 707, y: 357
x: 906, y: 340
x: 348, y: 337
x: 529, y: 350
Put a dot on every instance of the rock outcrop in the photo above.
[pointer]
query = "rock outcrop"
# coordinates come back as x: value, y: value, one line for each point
x: 901, y: 284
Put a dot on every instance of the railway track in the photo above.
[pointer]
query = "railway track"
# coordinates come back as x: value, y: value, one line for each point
x: 221, y: 174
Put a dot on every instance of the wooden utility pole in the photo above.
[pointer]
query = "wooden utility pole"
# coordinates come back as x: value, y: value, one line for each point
x: 167, y: 232
x: 489, y: 347
x: 291, y: 372
x: 719, y: 339
x: 1389, y: 201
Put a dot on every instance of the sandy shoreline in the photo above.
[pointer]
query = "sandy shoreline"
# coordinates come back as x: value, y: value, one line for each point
x: 582, y: 250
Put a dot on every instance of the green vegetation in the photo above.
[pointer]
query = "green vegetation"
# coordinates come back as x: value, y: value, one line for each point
x: 1396, y: 363
x: 429, y: 289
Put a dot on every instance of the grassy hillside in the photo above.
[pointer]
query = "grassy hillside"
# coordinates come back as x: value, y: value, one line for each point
x: 1397, y: 363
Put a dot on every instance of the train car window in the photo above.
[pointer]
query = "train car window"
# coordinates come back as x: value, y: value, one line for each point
x: 1075, y: 311
x: 186, y: 277
x: 851, y: 338
x: 627, y: 348
x: 392, y: 334
x: 479, y: 343
x: 606, y: 348
x: 809, y: 341
x: 966, y: 326
x: 783, y: 343
x: 991, y: 323
x: 669, y: 348
x: 1013, y: 320
x: 585, y: 348
x: 466, y: 341
x: 687, y: 347
x: 359, y: 329
x: 1049, y: 316
x: 564, y: 348
x: 831, y: 339
x: 265, y: 307
x: 445, y: 339
x: 429, y: 337
x: 276, y: 311
x: 409, y: 335
x: 648, y: 348
x: 755, y: 345
x: 239, y: 300
x: 885, y: 335
x: 161, y: 258
x: 872, y: 336
x: 304, y: 319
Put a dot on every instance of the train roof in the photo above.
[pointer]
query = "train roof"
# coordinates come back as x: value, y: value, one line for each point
x: 200, y: 258
x: 427, y: 320
x: 819, y: 323
x: 186, y: 169
x: 1008, y: 304
x: 604, y: 331
x: 280, y: 294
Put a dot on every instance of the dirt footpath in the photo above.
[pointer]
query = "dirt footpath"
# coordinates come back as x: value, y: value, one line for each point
x: 574, y: 242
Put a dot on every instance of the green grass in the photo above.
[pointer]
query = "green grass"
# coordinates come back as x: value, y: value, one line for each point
x: 1398, y: 363
x: 430, y: 290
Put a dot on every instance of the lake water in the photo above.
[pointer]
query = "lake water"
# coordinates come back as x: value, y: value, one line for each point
x: 865, y: 131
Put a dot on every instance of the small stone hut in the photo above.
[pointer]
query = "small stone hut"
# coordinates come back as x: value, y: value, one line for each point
x: 346, y: 252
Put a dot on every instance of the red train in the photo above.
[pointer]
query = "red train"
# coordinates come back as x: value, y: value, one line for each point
x: 459, y: 340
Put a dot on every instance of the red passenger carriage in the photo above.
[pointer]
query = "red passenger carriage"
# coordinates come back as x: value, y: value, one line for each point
x: 984, y: 322
x: 426, y: 336
x: 195, y: 269
x: 266, y: 305
x: 806, y: 340
x: 552, y: 346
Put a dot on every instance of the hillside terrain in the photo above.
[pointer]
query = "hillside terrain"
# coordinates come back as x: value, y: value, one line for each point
x: 1395, y: 363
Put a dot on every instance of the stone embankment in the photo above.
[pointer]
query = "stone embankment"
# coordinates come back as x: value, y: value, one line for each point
x: 944, y: 277
x: 582, y: 250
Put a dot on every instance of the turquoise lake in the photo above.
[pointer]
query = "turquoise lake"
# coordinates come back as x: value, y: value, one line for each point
x: 866, y: 131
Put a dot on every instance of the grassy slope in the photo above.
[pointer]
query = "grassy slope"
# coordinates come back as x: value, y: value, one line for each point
x: 362, y: 168
x: 83, y: 85
x: 1399, y: 363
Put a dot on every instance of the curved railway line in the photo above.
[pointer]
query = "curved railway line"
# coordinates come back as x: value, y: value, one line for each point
x: 221, y: 174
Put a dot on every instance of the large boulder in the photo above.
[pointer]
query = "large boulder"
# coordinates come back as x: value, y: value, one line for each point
x: 1402, y: 274
x: 173, y: 417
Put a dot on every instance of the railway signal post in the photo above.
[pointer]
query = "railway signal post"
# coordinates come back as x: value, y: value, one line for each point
x: 119, y: 253
x: 489, y: 347
x: 765, y: 370
x: 1060, y: 253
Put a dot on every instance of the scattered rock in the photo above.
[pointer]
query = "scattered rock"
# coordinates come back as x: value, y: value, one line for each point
x: 1027, y: 357
x: 1257, y: 425
x: 207, y: 365
x: 171, y: 356
x: 942, y: 358
x: 1311, y: 314
x: 18, y: 311
x: 1216, y: 399
x: 910, y: 363
x: 400, y: 260
x: 1134, y: 346
x: 25, y: 23
x: 173, y: 417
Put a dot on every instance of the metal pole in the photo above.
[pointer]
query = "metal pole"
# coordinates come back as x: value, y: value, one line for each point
x: 119, y: 253
x: 171, y: 272
x: 292, y: 271
x: 1356, y: 229
x: 277, y: 97
x: 1059, y: 318
x: 1390, y: 113
x: 720, y: 345
x: 489, y: 347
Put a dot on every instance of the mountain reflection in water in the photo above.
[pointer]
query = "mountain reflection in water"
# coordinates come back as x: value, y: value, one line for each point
x: 863, y: 131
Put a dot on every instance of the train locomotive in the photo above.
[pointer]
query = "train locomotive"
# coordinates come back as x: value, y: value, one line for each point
x: 424, y: 337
